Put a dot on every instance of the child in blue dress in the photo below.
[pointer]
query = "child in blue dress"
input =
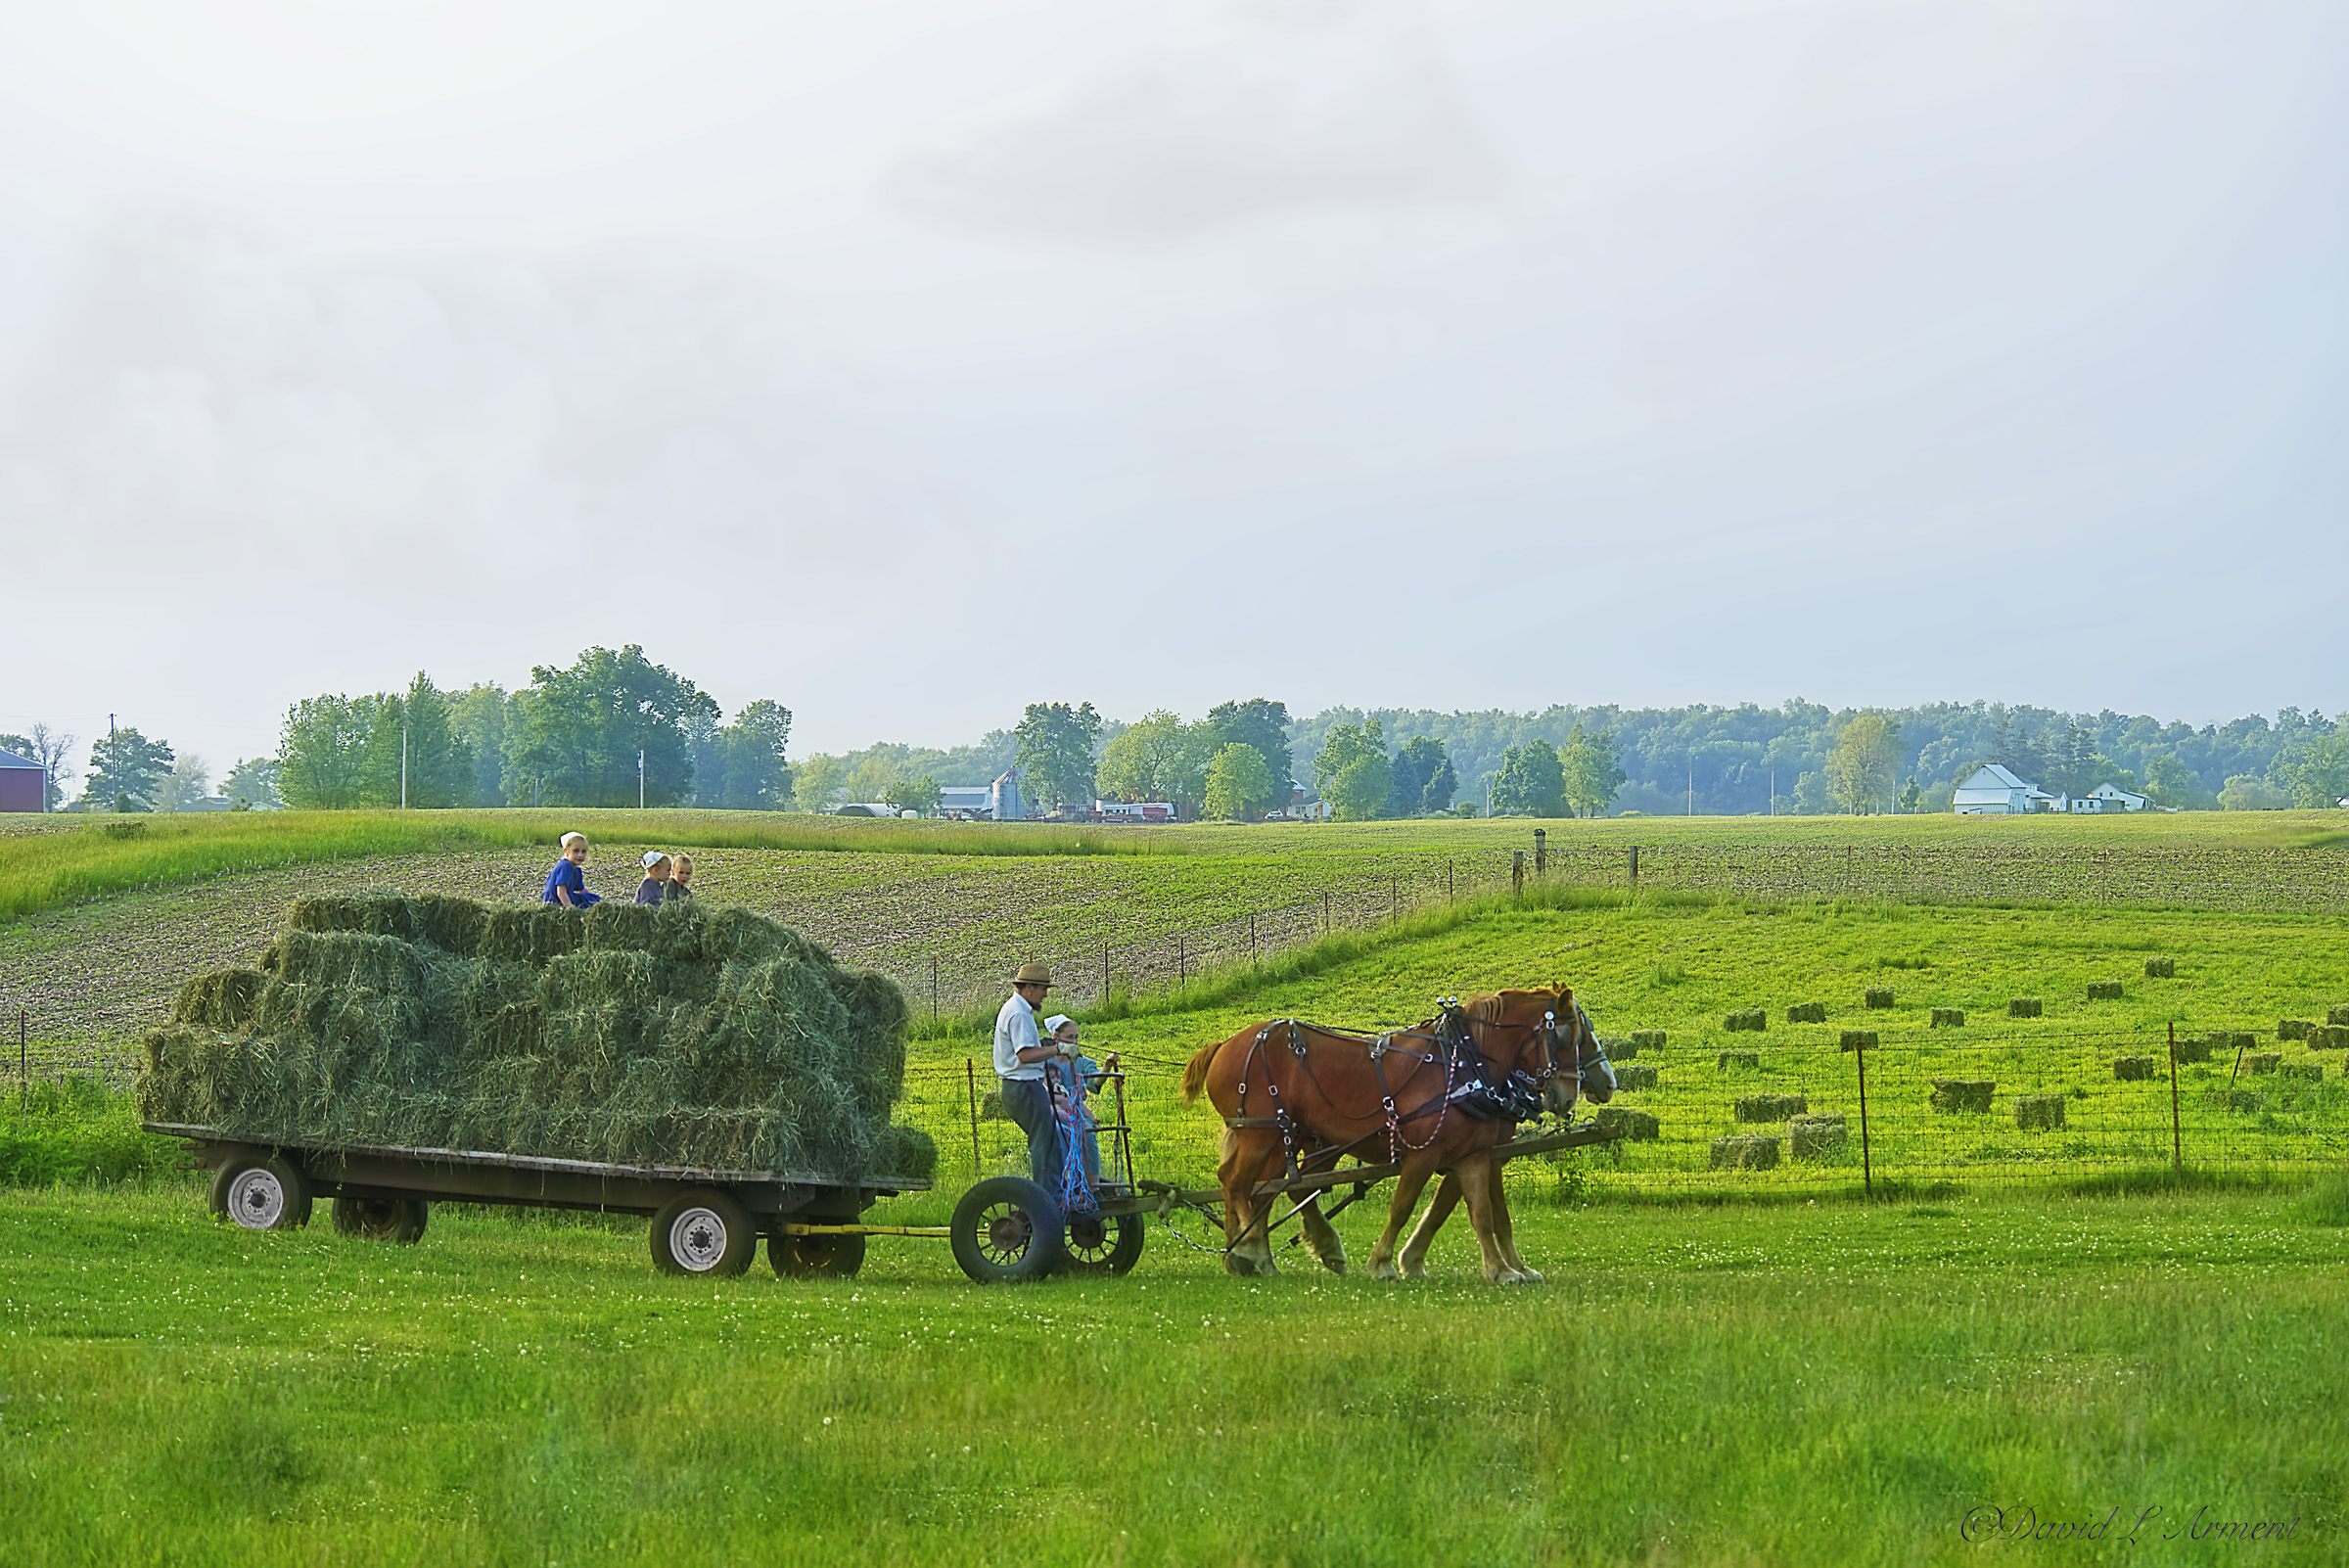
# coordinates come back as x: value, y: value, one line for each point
x: 567, y: 883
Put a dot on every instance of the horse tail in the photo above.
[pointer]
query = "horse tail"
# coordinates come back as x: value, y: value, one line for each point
x: 1194, y: 1073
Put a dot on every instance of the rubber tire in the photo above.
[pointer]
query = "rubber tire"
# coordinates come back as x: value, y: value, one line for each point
x: 1121, y: 1236
x: 398, y: 1221
x: 294, y: 1212
x: 1034, y: 1254
x: 737, y: 1238
x: 814, y: 1257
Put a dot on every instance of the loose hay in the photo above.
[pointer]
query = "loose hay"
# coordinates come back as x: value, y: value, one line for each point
x: 1817, y: 1137
x: 1745, y: 1152
x: 1747, y: 1018
x: 2023, y: 1007
x: 1961, y: 1093
x: 1877, y: 996
x: 1806, y: 1013
x: 2132, y: 1068
x: 1770, y: 1107
x: 681, y: 1034
x: 1622, y: 1122
x: 1857, y: 1039
x: 1949, y: 1018
x: 2103, y: 991
x: 2038, y: 1113
x: 1635, y: 1075
x: 2162, y: 969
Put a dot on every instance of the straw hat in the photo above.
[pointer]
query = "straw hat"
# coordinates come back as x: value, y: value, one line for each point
x: 1033, y: 975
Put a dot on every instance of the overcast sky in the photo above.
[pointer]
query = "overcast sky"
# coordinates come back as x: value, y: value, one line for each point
x: 909, y: 361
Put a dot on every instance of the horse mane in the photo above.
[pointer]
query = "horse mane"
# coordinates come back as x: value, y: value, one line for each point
x: 1486, y: 1009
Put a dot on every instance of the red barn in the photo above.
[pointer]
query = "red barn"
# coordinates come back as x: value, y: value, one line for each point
x: 20, y: 784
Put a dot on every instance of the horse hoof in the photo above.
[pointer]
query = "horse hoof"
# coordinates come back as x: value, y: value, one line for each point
x: 1529, y: 1277
x: 1383, y: 1270
x: 1336, y: 1266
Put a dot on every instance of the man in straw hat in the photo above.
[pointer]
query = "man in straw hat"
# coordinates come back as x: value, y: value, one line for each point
x: 1021, y: 1052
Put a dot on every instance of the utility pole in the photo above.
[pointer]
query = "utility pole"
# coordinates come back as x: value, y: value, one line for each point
x: 1773, y: 792
x: 640, y: 778
x: 404, y: 764
x: 1692, y: 787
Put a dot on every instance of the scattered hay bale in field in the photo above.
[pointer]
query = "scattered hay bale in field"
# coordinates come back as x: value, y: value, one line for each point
x: 1621, y: 1121
x: 1949, y: 1018
x: 1806, y: 1013
x: 2336, y: 1015
x: 1770, y: 1107
x: 2193, y: 1051
x: 2293, y: 1027
x: 2243, y: 1099
x: 1729, y: 1059
x: 1961, y: 1093
x: 1635, y: 1075
x: 1747, y: 1018
x: 2103, y: 991
x: 2239, y: 1041
x: 2131, y: 1067
x: 1647, y: 1040
x: 1876, y: 997
x: 2260, y: 1062
x: 2327, y: 1036
x: 1618, y: 1048
x: 1817, y: 1137
x: 627, y: 1034
x: 1751, y: 1151
x: 2038, y: 1113
x: 991, y: 1106
x: 2023, y: 1007
x: 2314, y: 1072
x: 2162, y: 969
x: 1857, y: 1039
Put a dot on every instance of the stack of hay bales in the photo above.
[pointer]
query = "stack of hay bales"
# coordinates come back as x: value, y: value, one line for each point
x: 2236, y: 1041
x: 2129, y: 1068
x: 1961, y: 1093
x: 1876, y: 997
x: 1806, y: 1013
x: 1749, y: 1018
x: 1618, y: 1048
x: 2337, y: 1015
x: 2038, y: 1113
x: 1817, y: 1137
x: 1621, y: 1121
x: 1635, y: 1075
x: 1949, y: 1018
x: 1770, y: 1107
x: 2243, y: 1099
x: 2162, y: 969
x: 2023, y: 1007
x: 2258, y: 1062
x: 2103, y: 991
x: 682, y: 1035
x: 1747, y: 1152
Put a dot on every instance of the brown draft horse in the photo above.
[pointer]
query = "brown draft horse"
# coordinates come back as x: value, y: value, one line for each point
x: 1286, y: 1089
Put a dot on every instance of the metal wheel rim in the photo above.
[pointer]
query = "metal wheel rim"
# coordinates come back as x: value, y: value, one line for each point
x: 1090, y: 1238
x: 379, y: 1217
x: 256, y: 1199
x: 1005, y: 1233
x: 697, y: 1239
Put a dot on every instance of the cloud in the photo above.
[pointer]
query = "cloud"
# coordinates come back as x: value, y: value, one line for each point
x: 1276, y: 106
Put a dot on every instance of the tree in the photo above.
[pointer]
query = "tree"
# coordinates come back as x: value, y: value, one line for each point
x: 1055, y: 757
x: 185, y: 787
x: 1237, y: 780
x: 1866, y: 760
x: 585, y: 727
x: 252, y: 785
x: 1591, y: 773
x: 914, y: 795
x: 48, y: 748
x: 1531, y: 781
x: 2317, y: 772
x: 1155, y: 759
x: 319, y: 750
x: 413, y: 734
x: 748, y: 770
x: 2013, y: 748
x: 1414, y: 769
x: 127, y: 772
x: 1262, y: 724
x: 821, y: 784
x: 1912, y: 797
x: 1811, y: 795
x: 1352, y: 772
x: 2170, y: 782
x: 2248, y: 792
x: 478, y: 717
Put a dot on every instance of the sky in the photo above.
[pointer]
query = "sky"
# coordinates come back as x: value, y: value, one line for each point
x: 907, y: 362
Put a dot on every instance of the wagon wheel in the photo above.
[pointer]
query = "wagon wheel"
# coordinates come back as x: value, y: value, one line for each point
x: 815, y: 1256
x: 1006, y: 1229
x: 702, y: 1231
x: 396, y: 1219
x: 1102, y: 1244
x: 261, y: 1191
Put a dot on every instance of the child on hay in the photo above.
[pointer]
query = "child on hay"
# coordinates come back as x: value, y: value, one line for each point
x: 656, y: 878
x: 680, y: 879
x: 566, y: 884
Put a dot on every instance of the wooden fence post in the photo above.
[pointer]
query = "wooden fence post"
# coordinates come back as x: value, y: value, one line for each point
x: 1517, y: 873
x: 970, y: 1079
x: 1540, y: 852
x: 1867, y: 1175
x: 2177, y: 1132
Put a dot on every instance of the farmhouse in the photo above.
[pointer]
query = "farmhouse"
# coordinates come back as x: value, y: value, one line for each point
x: 22, y: 784
x: 1993, y: 791
x: 2109, y: 798
x: 966, y: 802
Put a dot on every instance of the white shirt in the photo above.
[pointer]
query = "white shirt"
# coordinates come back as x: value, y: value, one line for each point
x: 1015, y: 1032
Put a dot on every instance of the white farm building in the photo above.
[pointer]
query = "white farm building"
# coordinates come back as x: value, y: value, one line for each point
x: 2109, y: 798
x: 1993, y: 791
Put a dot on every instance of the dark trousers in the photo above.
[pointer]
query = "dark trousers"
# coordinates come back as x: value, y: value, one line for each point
x: 1029, y: 1104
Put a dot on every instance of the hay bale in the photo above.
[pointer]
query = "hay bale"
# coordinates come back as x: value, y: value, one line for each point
x: 2327, y: 1036
x: 1633, y: 1127
x: 1617, y: 1049
x: 2314, y: 1072
x: 2023, y: 1007
x: 1749, y: 1018
x: 1729, y: 1059
x: 2336, y: 1015
x: 2239, y: 1041
x: 1635, y: 1075
x: 2038, y: 1113
x: 2129, y: 1068
x: 2294, y: 1027
x: 1770, y: 1107
x: 1949, y: 1018
x: 1876, y: 997
x: 682, y: 1035
x: 2193, y: 1051
x: 1647, y: 1040
x: 1806, y: 1013
x: 1961, y: 1093
x: 990, y: 1107
x: 2257, y: 1063
x: 2103, y: 991
x: 1817, y: 1137
x: 2243, y: 1099
x: 2162, y: 969
x: 1752, y: 1151
x: 1857, y: 1039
